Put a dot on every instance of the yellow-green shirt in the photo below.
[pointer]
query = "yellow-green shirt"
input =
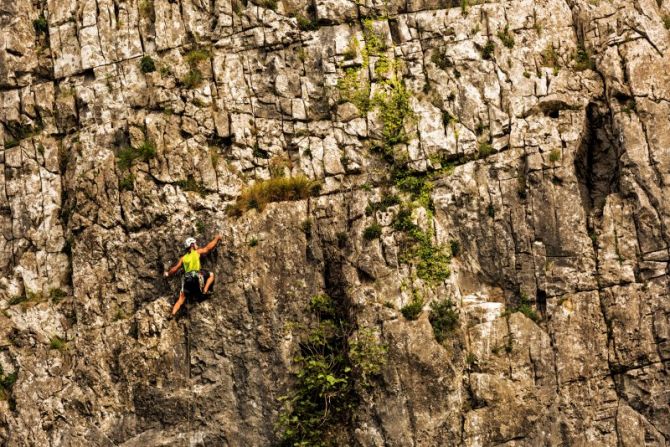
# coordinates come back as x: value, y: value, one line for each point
x: 191, y: 261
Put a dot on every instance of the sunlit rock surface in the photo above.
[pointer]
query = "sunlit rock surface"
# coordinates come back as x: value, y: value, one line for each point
x: 545, y: 128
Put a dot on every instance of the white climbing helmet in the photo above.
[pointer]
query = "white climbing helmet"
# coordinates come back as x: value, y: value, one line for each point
x: 189, y: 241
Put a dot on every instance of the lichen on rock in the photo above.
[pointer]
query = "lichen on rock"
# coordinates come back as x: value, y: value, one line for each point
x: 491, y: 175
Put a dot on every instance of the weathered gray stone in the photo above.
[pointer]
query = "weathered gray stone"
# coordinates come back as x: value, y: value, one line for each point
x: 548, y: 156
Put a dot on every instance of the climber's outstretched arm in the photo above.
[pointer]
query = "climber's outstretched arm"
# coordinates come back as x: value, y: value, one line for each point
x: 209, y: 247
x: 175, y: 268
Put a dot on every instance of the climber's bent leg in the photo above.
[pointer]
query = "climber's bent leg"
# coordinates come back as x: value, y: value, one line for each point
x: 180, y: 301
x: 208, y: 284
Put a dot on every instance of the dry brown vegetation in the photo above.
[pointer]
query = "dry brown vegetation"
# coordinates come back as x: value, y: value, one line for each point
x: 280, y: 189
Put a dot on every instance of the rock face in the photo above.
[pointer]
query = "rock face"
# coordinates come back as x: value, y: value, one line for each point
x: 538, y: 135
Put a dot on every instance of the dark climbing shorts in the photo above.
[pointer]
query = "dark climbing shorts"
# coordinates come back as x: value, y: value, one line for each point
x: 202, y: 276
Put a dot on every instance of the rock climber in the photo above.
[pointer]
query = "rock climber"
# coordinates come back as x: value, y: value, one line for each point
x: 193, y: 274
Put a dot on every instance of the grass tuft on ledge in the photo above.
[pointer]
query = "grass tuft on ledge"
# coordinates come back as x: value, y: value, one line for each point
x: 280, y: 189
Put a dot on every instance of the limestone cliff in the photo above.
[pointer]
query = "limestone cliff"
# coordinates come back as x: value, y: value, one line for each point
x: 506, y: 162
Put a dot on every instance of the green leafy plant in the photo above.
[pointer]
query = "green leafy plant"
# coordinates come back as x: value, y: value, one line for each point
x: 367, y: 355
x: 18, y: 299
x: 127, y: 183
x: 335, y: 360
x: 485, y: 149
x: 550, y: 57
x: 192, y: 79
x: 322, y: 306
x: 374, y: 42
x: 583, y: 59
x: 193, y: 185
x: 145, y: 152
x: 490, y: 210
x: 147, y: 64
x: 525, y: 306
x: 444, y: 318
x: 471, y: 361
x: 194, y: 76
x: 412, y: 310
x: 554, y: 155
x: 260, y: 153
x: 18, y: 132
x: 10, y: 143
x: 352, y: 50
x: 447, y: 118
x: 355, y: 88
x: 455, y: 247
x: 253, y: 242
x: 506, y: 37
x: 7, y: 382
x: 342, y: 238
x: 488, y: 50
x: 198, y: 54
x: 57, y: 294
x: 306, y: 24
x: 58, y: 343
x: 432, y: 261
x: 629, y: 106
x: 418, y: 185
x: 41, y: 25
x: 373, y: 231
x: 394, y: 109
x: 441, y: 60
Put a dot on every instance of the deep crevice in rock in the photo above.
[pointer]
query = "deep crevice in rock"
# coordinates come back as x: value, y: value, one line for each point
x: 541, y: 300
x: 597, y: 160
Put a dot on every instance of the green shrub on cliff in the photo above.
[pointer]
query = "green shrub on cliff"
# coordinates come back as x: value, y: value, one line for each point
x: 127, y: 156
x: 394, y: 110
x: 7, y: 382
x: 41, y: 25
x: 373, y: 231
x: 412, y: 310
x: 506, y: 37
x: 367, y: 355
x: 525, y: 306
x: 488, y: 50
x: 444, y: 318
x: 57, y: 343
x: 147, y: 64
x: 329, y: 365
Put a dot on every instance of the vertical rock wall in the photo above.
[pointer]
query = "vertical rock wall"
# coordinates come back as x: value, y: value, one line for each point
x: 543, y: 126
